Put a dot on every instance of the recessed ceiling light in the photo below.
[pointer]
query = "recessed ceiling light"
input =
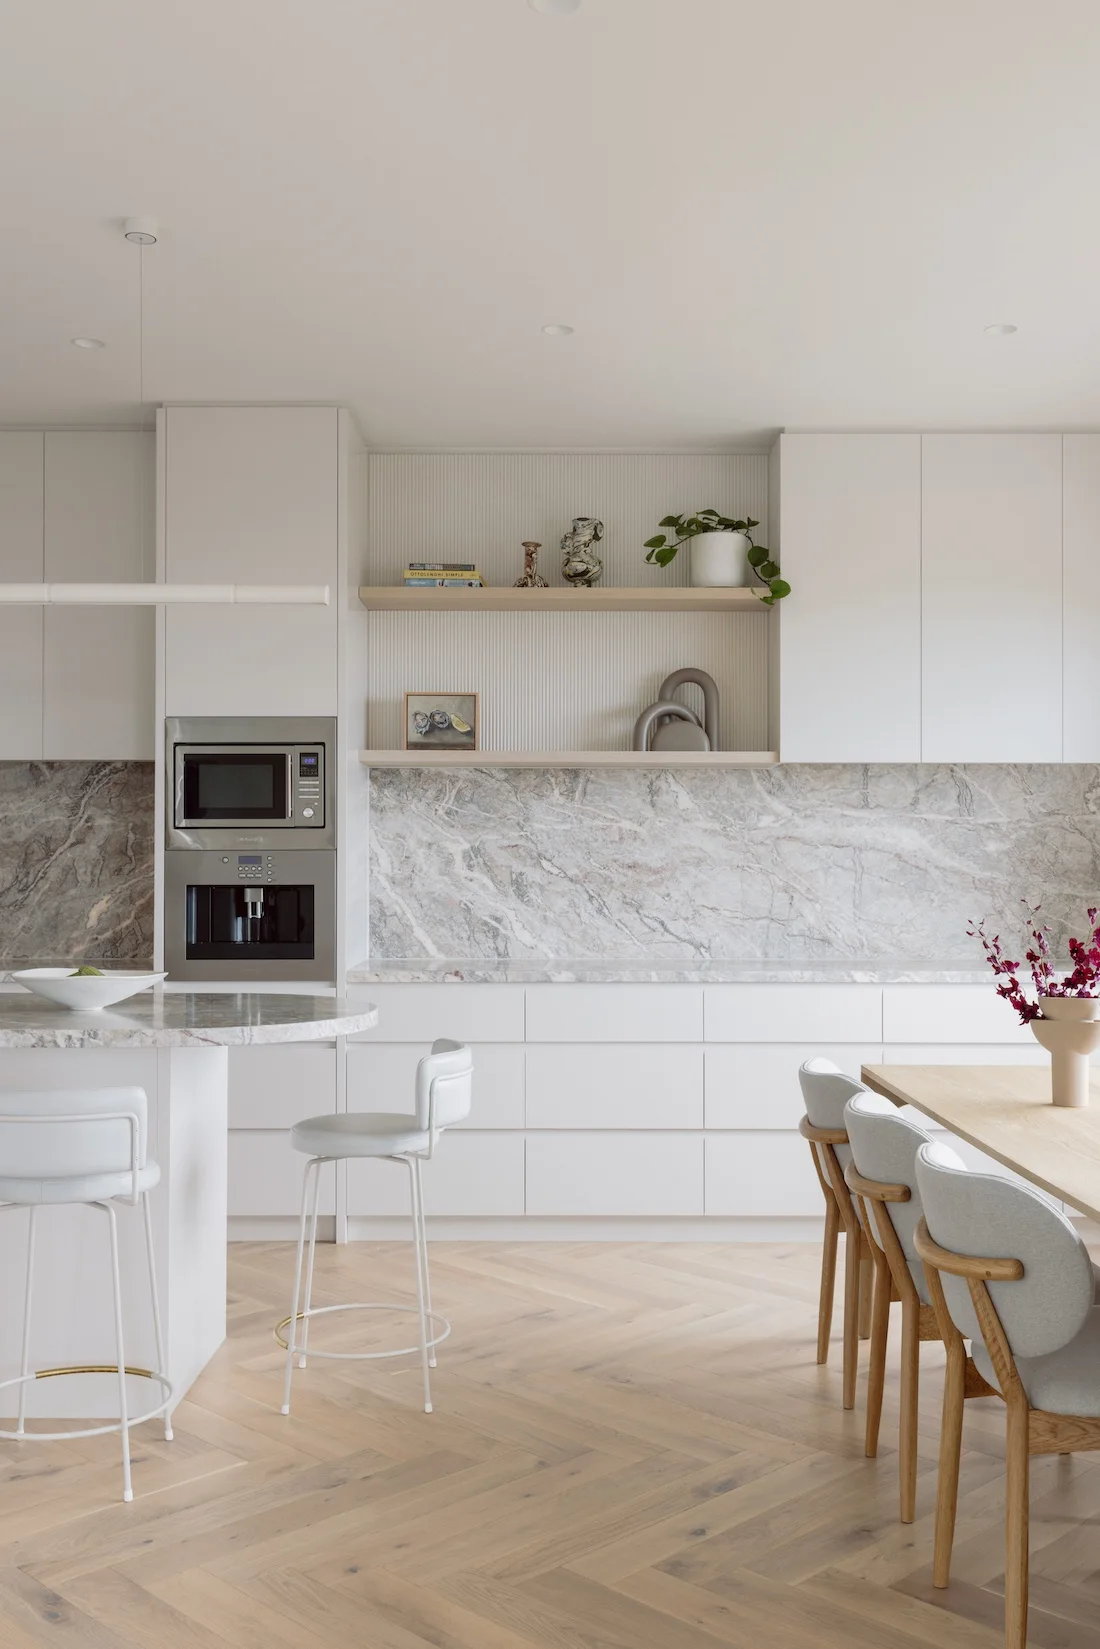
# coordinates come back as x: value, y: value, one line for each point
x: 557, y: 330
x: 1000, y: 329
x: 554, y: 8
x: 88, y: 343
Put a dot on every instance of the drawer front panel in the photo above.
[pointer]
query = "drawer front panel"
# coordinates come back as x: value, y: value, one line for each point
x: 472, y: 1173
x: 265, y: 1177
x: 614, y: 1013
x: 949, y: 1013
x: 615, y: 1086
x: 382, y: 1077
x: 794, y: 1013
x: 615, y: 1174
x: 761, y: 1174
x: 420, y: 1013
x: 755, y: 1085
x: 276, y: 1086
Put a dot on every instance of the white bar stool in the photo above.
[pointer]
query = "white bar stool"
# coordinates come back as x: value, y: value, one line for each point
x: 83, y: 1146
x: 444, y: 1085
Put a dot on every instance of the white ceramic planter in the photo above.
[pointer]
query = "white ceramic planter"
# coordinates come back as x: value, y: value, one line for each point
x: 1069, y: 1031
x: 720, y: 558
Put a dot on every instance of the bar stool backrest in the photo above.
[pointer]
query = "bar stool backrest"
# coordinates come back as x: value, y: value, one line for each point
x: 444, y: 1085
x: 996, y: 1218
x: 884, y: 1148
x: 73, y: 1132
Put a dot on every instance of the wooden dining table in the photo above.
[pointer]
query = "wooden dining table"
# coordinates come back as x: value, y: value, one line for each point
x: 1006, y: 1111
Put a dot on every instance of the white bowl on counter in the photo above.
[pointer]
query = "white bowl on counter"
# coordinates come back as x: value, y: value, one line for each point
x: 86, y: 992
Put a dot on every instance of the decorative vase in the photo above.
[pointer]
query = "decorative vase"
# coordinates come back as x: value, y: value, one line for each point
x: 580, y: 564
x: 720, y: 558
x: 1069, y: 1031
x: 531, y: 579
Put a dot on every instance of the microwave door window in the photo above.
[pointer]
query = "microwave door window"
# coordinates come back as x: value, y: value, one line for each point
x: 238, y: 787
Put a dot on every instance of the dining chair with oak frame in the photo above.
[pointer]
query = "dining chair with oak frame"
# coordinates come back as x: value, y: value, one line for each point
x: 1007, y: 1270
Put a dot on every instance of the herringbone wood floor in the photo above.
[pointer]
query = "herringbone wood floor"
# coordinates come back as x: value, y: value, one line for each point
x: 632, y: 1449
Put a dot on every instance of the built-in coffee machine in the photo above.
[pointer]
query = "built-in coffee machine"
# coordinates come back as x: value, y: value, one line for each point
x: 250, y: 849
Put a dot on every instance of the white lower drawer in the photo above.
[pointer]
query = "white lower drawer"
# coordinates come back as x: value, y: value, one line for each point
x: 472, y: 1172
x: 382, y: 1077
x: 619, y: 1174
x: 761, y: 1174
x: 594, y: 1085
x: 276, y: 1086
x: 755, y: 1084
x: 265, y: 1175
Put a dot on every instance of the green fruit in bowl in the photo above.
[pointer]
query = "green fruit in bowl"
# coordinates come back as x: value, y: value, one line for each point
x: 86, y: 972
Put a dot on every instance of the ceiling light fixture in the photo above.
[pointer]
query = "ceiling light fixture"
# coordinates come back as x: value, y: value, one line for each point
x: 1000, y: 329
x: 142, y: 231
x: 557, y: 329
x: 88, y: 343
x: 554, y: 8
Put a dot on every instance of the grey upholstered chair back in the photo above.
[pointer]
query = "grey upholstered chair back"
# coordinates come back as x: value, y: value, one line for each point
x: 986, y: 1215
x: 825, y: 1092
x: 884, y: 1147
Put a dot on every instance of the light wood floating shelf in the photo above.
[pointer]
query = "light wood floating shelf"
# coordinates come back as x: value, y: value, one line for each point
x: 568, y: 758
x: 603, y: 598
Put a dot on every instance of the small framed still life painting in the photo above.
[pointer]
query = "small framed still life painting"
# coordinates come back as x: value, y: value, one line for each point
x: 440, y: 721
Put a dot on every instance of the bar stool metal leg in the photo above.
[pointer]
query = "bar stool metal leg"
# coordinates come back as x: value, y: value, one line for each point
x: 309, y: 1265
x: 25, y: 1360
x: 123, y: 1413
x: 423, y: 1249
x: 414, y: 1189
x: 158, y: 1337
x: 291, y: 1348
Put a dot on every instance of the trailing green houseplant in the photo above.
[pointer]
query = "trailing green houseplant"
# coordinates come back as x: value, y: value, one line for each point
x: 662, y: 547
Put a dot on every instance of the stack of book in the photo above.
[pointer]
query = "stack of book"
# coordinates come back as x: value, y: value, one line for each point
x: 449, y: 575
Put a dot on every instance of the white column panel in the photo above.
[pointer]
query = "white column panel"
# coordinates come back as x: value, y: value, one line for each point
x: 100, y: 500
x: 21, y: 562
x: 849, y: 675
x: 991, y: 672
x: 615, y: 1174
x: 1081, y: 597
x: 614, y: 1086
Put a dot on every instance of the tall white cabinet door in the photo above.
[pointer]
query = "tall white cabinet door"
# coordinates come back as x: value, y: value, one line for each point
x: 991, y: 598
x: 849, y: 663
x: 1081, y: 597
x: 20, y: 627
x: 251, y: 498
x: 99, y: 661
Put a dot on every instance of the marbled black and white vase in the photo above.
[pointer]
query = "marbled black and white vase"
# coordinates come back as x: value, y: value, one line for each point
x: 579, y: 562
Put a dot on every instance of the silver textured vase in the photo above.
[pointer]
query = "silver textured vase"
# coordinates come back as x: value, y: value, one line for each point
x: 579, y: 562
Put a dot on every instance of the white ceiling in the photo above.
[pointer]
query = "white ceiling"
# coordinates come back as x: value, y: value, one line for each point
x: 794, y: 213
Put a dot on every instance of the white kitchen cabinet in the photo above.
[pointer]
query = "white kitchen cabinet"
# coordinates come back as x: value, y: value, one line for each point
x: 21, y: 562
x: 628, y: 1175
x: 381, y: 1077
x: 793, y: 1013
x: 420, y: 1013
x: 614, y: 1086
x: 614, y: 1013
x: 755, y: 1084
x: 265, y: 1178
x: 849, y: 661
x: 991, y: 603
x: 949, y: 1013
x: 1081, y: 604
x: 276, y: 1086
x: 761, y: 1175
x: 250, y: 497
x: 472, y: 1173
x: 100, y: 491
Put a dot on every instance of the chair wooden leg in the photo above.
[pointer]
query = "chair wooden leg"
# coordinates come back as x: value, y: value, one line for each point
x: 1016, y: 1526
x: 876, y: 1373
x: 866, y: 1287
x: 828, y: 1279
x: 910, y: 1388
x: 947, y: 1490
x: 852, y: 1245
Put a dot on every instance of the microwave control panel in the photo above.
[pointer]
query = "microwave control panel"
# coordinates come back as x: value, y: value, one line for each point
x: 307, y: 779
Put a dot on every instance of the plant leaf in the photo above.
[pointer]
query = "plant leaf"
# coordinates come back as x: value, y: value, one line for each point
x: 655, y: 543
x: 768, y: 569
x: 670, y: 521
x: 663, y: 557
x: 757, y: 555
x: 779, y: 588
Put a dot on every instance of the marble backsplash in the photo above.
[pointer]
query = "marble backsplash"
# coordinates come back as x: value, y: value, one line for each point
x: 789, y: 862
x: 76, y: 861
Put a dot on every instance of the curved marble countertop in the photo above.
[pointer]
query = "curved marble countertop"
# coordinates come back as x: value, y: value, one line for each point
x: 664, y: 971
x: 181, y: 1019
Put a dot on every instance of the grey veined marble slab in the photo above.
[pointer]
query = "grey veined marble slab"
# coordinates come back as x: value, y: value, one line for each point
x: 413, y: 971
x: 181, y: 1019
x: 791, y: 863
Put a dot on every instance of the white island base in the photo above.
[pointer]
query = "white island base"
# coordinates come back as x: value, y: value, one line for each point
x: 175, y: 1047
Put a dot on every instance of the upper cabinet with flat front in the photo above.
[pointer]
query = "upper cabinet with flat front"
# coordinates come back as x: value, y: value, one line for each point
x: 991, y: 607
x: 849, y: 659
x: 1081, y: 597
x: 20, y: 627
x: 250, y: 497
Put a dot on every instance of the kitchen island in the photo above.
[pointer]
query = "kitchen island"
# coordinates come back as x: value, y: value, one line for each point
x: 175, y: 1046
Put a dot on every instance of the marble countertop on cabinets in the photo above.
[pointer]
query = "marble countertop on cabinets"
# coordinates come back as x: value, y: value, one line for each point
x: 663, y: 971
x: 183, y: 1019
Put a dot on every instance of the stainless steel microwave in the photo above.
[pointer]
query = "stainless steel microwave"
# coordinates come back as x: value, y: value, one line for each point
x: 250, y: 782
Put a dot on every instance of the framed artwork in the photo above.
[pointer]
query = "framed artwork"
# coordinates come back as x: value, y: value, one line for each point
x: 440, y: 721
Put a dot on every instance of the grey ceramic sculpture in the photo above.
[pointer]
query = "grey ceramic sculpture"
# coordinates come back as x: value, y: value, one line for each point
x: 579, y: 562
x: 669, y: 725
x: 531, y: 579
